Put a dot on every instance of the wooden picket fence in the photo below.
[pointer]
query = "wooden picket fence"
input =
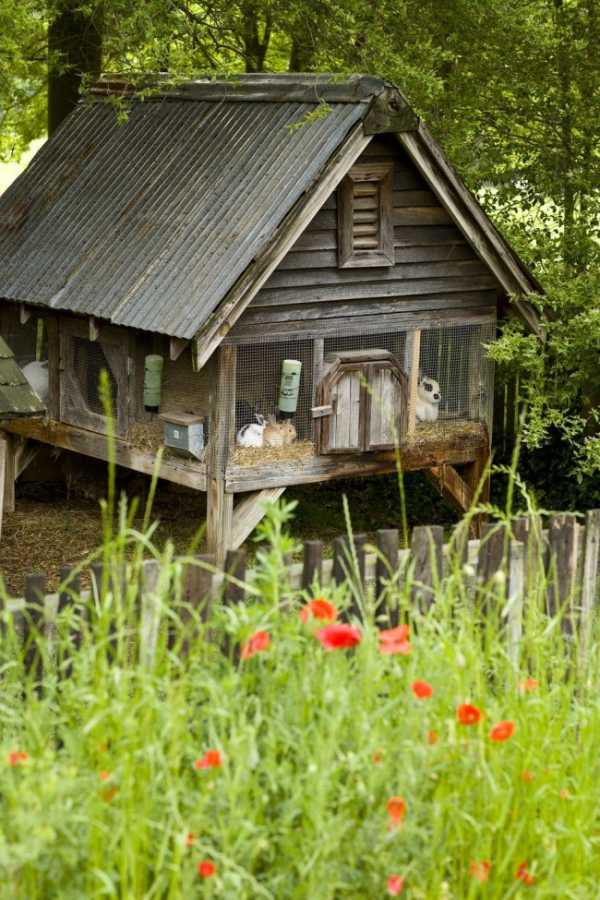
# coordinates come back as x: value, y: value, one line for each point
x: 506, y: 562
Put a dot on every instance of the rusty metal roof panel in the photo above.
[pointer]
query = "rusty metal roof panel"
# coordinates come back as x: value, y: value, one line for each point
x: 150, y: 223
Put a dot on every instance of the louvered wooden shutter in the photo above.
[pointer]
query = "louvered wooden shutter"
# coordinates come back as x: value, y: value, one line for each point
x: 365, y: 215
x: 365, y: 226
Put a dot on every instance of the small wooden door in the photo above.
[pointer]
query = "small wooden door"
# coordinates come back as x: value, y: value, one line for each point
x: 363, y: 401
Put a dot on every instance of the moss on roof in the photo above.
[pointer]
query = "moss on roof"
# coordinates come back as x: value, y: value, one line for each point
x: 16, y: 396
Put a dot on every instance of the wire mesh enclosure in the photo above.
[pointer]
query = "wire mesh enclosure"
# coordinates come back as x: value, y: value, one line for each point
x: 258, y: 380
x: 89, y: 360
x: 455, y: 379
x: 455, y: 360
x: 82, y: 363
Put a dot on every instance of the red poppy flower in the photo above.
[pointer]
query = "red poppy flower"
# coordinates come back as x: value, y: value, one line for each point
x: 432, y: 737
x: 527, y: 776
x: 395, y: 640
x: 207, y: 868
x: 502, y: 731
x: 338, y: 637
x: 528, y: 684
x: 377, y: 756
x: 210, y: 760
x: 259, y: 642
x: 421, y: 689
x: 523, y: 875
x: 467, y: 714
x: 17, y: 757
x: 104, y: 775
x: 480, y: 869
x: 319, y: 609
x: 564, y: 794
x: 190, y: 839
x: 395, y: 883
x: 393, y: 635
x: 396, y: 809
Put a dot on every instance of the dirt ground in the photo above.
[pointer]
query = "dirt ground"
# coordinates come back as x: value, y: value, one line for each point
x: 57, y: 523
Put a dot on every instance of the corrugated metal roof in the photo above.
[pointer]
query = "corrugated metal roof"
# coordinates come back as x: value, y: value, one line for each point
x: 150, y: 223
x: 16, y: 396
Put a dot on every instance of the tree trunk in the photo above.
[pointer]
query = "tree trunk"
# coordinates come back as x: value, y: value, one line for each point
x: 569, y: 240
x: 75, y: 52
x: 255, y: 47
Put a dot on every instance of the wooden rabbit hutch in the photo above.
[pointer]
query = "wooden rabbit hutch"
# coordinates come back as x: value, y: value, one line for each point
x: 236, y: 227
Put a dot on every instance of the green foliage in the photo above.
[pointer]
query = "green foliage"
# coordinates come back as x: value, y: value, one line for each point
x: 560, y: 386
x: 109, y: 801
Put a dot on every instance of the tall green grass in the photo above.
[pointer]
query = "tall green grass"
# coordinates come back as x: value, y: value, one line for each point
x: 313, y: 745
x: 107, y: 798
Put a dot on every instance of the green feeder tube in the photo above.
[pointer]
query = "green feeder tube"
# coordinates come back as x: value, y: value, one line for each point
x: 153, y: 366
x: 289, y: 387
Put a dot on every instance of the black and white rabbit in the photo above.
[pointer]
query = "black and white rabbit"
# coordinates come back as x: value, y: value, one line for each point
x: 251, y: 435
x: 428, y: 399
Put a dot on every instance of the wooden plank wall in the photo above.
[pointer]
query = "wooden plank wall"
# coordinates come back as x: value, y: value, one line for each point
x: 436, y: 272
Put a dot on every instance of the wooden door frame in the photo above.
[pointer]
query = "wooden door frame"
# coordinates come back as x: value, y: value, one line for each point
x: 364, y: 361
x: 114, y: 343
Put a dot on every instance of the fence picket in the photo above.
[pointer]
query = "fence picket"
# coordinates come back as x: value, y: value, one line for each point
x: 312, y: 568
x: 589, y: 577
x: 572, y: 554
x: 427, y: 548
x: 563, y: 537
x: 514, y: 604
x: 388, y: 543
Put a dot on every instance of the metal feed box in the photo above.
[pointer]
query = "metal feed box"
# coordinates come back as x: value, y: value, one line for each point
x: 184, y: 432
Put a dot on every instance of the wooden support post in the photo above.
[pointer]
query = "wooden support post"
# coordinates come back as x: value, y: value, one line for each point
x: 451, y: 486
x: 317, y: 372
x: 248, y: 513
x: 53, y: 402
x: 479, y: 486
x: 219, y: 519
x: 412, y: 360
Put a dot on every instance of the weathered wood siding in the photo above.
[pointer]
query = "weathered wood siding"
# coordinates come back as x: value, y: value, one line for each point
x: 436, y: 273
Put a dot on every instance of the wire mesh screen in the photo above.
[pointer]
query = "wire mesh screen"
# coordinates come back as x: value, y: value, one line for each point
x: 455, y: 386
x: 456, y: 374
x: 258, y: 380
x: 89, y: 360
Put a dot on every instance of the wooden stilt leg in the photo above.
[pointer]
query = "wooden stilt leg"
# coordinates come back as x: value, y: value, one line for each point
x: 219, y: 520
x: 481, y: 490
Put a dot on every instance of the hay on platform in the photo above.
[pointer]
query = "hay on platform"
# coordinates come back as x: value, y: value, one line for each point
x: 258, y: 456
x: 146, y: 436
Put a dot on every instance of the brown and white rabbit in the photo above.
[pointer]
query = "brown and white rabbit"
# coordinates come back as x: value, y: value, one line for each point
x: 279, y: 434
